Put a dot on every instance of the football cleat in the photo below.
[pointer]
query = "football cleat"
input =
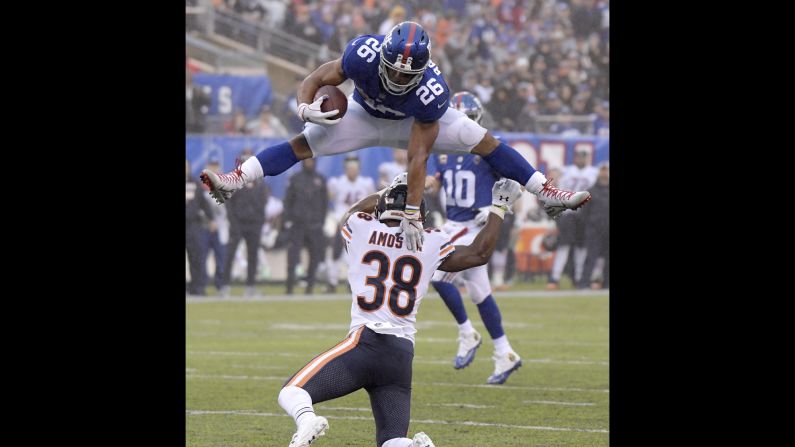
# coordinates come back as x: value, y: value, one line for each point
x: 222, y: 186
x: 309, y: 431
x: 468, y: 344
x: 504, y: 365
x: 422, y: 440
x: 556, y: 200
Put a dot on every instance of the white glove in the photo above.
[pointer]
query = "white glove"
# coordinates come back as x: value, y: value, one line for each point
x: 311, y: 112
x: 482, y: 216
x: 413, y: 232
x: 503, y: 195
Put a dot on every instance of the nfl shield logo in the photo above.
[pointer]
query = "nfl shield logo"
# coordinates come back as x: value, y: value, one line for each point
x: 443, y: 158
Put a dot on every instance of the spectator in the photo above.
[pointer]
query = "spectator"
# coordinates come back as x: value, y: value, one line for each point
x: 198, y: 214
x: 246, y: 213
x: 305, y: 208
x: 597, y: 233
x: 266, y: 125
x: 197, y: 104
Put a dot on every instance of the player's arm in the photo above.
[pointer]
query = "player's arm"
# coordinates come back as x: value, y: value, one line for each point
x: 329, y: 73
x: 366, y: 205
x: 503, y: 195
x: 423, y: 135
x: 309, y: 109
x: 479, y: 251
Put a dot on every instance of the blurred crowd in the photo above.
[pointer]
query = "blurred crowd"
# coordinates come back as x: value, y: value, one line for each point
x: 524, y: 59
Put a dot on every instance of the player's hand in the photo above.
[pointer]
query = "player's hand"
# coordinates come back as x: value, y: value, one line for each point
x: 503, y: 195
x: 482, y: 216
x: 412, y: 232
x: 312, y: 112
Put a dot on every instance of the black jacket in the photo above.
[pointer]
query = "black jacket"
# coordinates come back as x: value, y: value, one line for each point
x: 306, y: 201
x: 198, y: 208
x: 247, y: 205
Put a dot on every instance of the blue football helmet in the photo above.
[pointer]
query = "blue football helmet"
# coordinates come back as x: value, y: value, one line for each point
x: 405, y: 53
x: 469, y: 104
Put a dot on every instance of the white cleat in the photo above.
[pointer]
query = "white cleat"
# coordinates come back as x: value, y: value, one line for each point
x: 556, y: 200
x: 222, y: 186
x: 309, y: 431
x: 422, y: 440
x: 504, y: 365
x: 468, y: 344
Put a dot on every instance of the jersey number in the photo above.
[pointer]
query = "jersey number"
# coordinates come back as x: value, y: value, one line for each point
x: 429, y: 91
x: 457, y: 193
x: 409, y: 287
x: 368, y: 52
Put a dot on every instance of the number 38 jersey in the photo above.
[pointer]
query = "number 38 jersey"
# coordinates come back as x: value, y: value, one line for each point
x: 426, y: 102
x: 387, y: 280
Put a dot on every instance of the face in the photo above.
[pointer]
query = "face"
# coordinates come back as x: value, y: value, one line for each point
x: 398, y: 77
x: 604, y: 176
x: 580, y: 159
x: 401, y: 156
x: 352, y: 169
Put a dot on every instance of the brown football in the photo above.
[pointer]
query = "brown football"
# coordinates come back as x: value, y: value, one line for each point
x: 336, y: 100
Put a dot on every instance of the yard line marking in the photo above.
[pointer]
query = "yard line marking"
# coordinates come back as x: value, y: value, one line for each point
x: 416, y: 421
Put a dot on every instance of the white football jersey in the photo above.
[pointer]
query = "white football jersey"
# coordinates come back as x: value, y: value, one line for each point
x: 578, y: 179
x: 346, y: 192
x: 387, y: 280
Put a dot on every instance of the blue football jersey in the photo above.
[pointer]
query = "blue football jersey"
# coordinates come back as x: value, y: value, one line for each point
x: 426, y: 103
x: 467, y: 181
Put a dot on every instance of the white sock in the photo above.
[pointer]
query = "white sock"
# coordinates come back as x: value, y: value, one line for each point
x: 398, y: 442
x: 536, y: 182
x: 466, y: 327
x: 561, y: 256
x: 297, y: 403
x: 252, y: 169
x: 501, y: 345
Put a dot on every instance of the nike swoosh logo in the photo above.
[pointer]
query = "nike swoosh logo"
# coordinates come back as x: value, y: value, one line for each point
x: 354, y: 42
x: 440, y: 105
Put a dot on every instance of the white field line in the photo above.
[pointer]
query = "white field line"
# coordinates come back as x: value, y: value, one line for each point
x: 549, y: 402
x: 557, y: 294
x: 413, y: 421
x: 447, y: 384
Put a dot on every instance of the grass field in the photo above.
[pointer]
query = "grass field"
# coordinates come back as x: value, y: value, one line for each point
x: 240, y: 352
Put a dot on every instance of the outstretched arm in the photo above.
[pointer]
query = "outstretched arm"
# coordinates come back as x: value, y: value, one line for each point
x: 503, y: 195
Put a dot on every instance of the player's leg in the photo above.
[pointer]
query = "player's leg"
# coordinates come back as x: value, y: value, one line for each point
x: 506, y: 360
x: 390, y: 393
x: 252, y: 236
x: 333, y: 260
x: 458, y: 133
x: 356, y: 130
x: 334, y: 373
x: 469, y: 340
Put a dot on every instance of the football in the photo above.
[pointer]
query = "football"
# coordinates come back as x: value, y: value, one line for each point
x: 336, y: 100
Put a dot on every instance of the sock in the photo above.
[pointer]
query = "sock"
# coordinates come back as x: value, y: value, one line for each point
x: 490, y: 314
x: 272, y: 161
x: 297, y: 403
x: 452, y: 298
x: 466, y: 327
x: 510, y: 164
x: 501, y: 345
x: 536, y: 183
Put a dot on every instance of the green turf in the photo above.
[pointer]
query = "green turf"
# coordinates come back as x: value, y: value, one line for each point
x: 240, y: 353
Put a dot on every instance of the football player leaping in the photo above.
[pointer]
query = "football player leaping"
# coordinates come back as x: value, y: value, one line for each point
x: 388, y: 283
x: 400, y: 100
